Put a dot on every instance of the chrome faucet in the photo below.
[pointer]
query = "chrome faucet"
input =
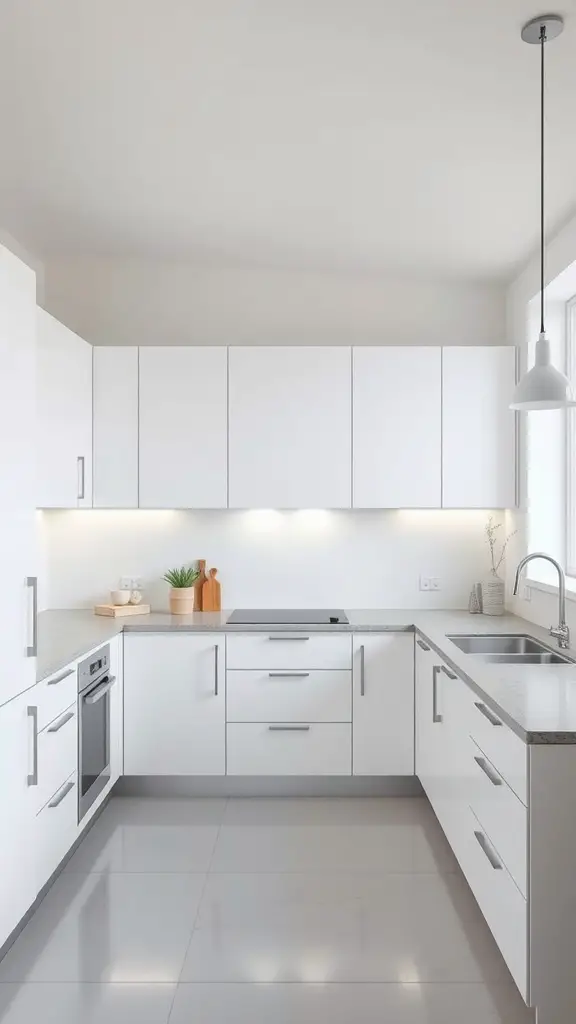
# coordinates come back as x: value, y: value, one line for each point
x: 561, y: 631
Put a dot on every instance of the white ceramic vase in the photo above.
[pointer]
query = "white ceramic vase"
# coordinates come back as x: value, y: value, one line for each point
x: 493, y: 593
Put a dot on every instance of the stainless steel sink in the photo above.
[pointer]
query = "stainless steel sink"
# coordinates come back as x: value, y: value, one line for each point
x: 497, y: 643
x: 544, y: 658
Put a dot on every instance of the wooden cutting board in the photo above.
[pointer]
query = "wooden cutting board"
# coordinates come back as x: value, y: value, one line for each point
x: 116, y: 610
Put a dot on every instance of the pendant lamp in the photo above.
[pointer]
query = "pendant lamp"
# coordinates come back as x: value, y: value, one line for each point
x: 543, y: 387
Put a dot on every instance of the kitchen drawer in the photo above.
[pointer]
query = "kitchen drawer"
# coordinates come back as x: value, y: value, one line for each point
x: 507, y: 752
x: 497, y: 895
x: 57, y: 754
x: 56, y: 828
x: 298, y: 650
x: 501, y: 814
x: 266, y: 749
x: 289, y: 695
x: 55, y: 694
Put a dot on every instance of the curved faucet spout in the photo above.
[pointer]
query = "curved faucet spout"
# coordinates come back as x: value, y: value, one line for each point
x: 561, y: 631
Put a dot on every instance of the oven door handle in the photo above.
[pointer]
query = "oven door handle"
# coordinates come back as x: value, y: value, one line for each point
x: 99, y: 691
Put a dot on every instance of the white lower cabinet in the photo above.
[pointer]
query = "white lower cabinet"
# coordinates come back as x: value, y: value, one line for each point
x: 17, y: 811
x: 174, y: 704
x: 293, y: 695
x: 56, y: 829
x: 289, y: 749
x: 383, y: 717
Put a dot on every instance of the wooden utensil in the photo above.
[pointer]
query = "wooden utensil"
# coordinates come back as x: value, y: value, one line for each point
x: 198, y: 586
x: 211, y: 593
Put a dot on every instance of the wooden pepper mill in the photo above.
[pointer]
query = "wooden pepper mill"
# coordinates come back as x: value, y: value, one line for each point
x: 211, y: 593
x: 198, y: 606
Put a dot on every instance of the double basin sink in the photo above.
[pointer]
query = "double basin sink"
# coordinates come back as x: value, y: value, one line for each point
x: 509, y: 649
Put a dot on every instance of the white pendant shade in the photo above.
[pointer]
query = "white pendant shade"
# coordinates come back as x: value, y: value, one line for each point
x: 543, y: 387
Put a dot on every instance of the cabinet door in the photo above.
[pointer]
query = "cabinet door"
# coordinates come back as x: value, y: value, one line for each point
x: 17, y: 465
x: 479, y: 428
x: 17, y: 862
x: 383, y: 704
x: 427, y: 730
x: 117, y: 709
x: 116, y: 427
x: 183, y: 427
x: 64, y: 416
x: 290, y: 427
x: 397, y: 427
x: 174, y: 704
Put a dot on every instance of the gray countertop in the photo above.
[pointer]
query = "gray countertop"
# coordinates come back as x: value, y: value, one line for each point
x: 537, y: 702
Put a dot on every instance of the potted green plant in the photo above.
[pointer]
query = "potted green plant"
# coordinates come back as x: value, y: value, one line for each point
x: 182, y: 593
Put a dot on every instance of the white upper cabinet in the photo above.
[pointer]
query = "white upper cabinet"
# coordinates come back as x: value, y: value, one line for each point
x: 64, y: 416
x: 383, y: 709
x: 183, y: 427
x: 17, y: 466
x: 290, y: 427
x: 479, y: 428
x: 397, y: 427
x: 116, y: 427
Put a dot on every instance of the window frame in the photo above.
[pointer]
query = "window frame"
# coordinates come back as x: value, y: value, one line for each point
x: 570, y: 509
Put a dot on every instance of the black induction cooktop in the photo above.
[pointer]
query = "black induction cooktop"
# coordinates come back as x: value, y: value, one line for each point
x: 288, y: 616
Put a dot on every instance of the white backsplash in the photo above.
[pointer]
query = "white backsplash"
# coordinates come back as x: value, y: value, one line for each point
x: 267, y: 558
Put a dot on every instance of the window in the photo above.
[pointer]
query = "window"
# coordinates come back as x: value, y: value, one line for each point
x: 571, y: 442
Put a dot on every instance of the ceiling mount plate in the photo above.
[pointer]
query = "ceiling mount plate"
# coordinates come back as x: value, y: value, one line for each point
x: 553, y: 23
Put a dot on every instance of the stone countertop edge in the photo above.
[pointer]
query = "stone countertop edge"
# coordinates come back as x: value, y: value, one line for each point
x: 60, y: 648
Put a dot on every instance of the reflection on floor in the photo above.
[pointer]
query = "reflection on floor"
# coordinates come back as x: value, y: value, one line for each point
x: 260, y: 912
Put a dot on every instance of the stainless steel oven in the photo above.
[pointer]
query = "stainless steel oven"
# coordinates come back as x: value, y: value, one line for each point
x: 94, y: 685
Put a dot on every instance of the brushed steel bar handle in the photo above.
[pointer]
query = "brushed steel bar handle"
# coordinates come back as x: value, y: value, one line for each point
x: 288, y: 675
x: 32, y: 650
x: 216, y: 670
x: 451, y: 675
x: 288, y: 637
x: 100, y: 691
x: 422, y: 645
x: 32, y: 779
x: 487, y: 713
x: 362, y: 670
x: 437, y: 718
x: 61, y: 722
x: 490, y: 772
x: 61, y: 794
x: 61, y: 677
x: 289, y: 728
x: 488, y: 851
x: 81, y: 477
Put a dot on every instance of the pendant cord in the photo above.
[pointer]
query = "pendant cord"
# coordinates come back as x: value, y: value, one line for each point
x: 542, y: 42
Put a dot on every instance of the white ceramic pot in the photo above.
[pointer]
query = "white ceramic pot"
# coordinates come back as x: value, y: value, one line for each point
x: 120, y: 597
x: 493, y: 594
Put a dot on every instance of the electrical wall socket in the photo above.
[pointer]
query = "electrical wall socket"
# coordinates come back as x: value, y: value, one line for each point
x: 130, y: 583
x: 429, y: 583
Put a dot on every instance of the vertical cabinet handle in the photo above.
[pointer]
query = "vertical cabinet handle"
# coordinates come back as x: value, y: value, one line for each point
x: 362, y: 670
x: 81, y: 478
x: 216, y: 670
x: 422, y: 645
x: 435, y: 716
x: 32, y: 649
x: 32, y: 779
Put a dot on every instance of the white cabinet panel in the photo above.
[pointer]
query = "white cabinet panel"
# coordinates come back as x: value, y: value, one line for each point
x: 183, y: 427
x: 397, y: 427
x: 273, y: 749
x: 64, y: 410
x: 56, y: 829
x: 292, y: 695
x: 116, y: 427
x: 290, y: 427
x: 17, y: 473
x: 383, y: 713
x: 17, y: 811
x: 174, y: 704
x: 57, y: 754
x: 479, y: 428
x: 297, y: 650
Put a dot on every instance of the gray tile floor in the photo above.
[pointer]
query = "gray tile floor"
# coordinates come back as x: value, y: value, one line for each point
x: 260, y: 912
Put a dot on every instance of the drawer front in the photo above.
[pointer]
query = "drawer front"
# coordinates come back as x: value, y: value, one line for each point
x: 57, y: 754
x: 298, y: 650
x: 289, y: 695
x: 55, y: 694
x: 502, y: 747
x: 57, y: 829
x: 499, y: 899
x: 266, y: 749
x: 501, y: 814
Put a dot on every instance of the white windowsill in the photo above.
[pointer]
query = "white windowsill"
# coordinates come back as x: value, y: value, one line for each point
x: 550, y: 588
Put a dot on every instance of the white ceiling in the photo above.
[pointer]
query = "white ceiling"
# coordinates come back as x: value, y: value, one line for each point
x: 362, y: 135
